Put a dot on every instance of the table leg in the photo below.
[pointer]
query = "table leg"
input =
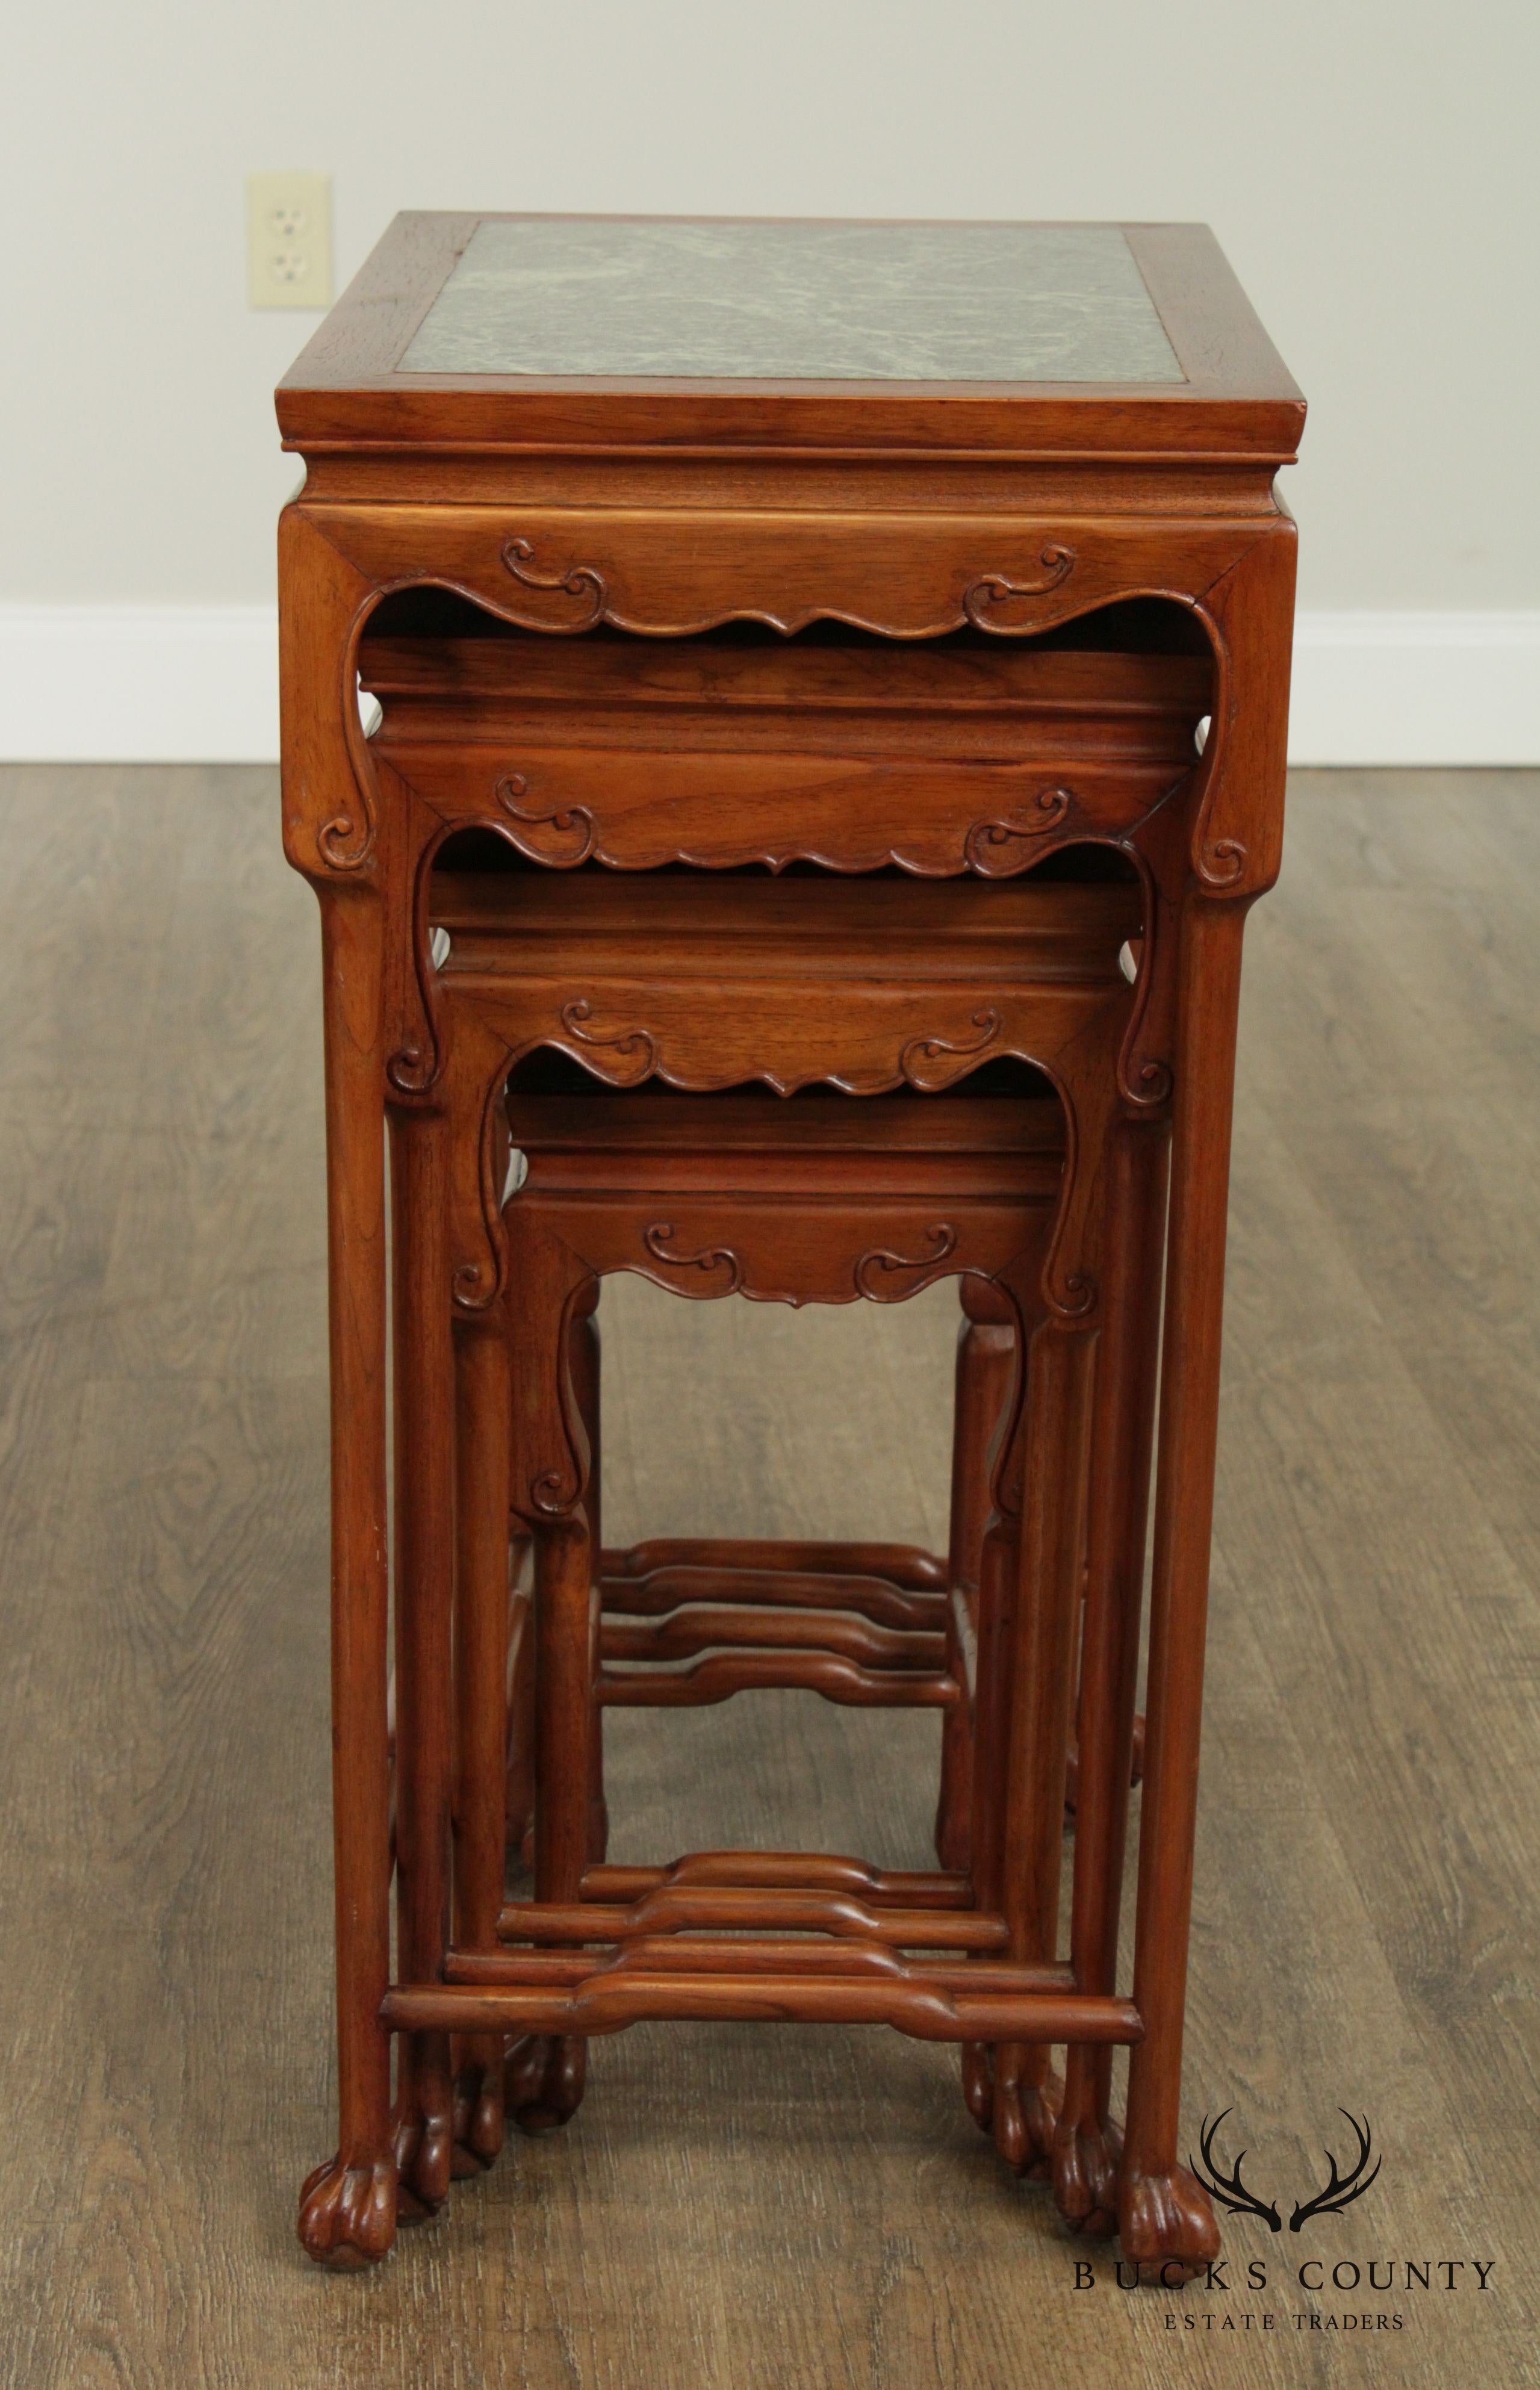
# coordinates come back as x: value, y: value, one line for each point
x: 545, y: 2072
x: 520, y: 1788
x: 1050, y: 1560
x: 1088, y: 2144
x: 987, y: 1354
x: 424, y: 1558
x: 348, y: 2206
x: 1165, y: 2220
x: 583, y: 1363
x: 997, y: 1578
x: 482, y: 1456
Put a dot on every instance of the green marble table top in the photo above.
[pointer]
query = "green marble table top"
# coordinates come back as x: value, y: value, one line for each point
x: 559, y: 296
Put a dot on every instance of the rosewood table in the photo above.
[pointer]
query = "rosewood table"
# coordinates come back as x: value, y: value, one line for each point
x: 895, y: 456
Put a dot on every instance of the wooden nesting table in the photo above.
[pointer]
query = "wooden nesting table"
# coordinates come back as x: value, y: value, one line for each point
x: 902, y: 561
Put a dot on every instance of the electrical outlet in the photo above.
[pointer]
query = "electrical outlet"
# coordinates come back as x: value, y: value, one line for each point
x: 289, y: 240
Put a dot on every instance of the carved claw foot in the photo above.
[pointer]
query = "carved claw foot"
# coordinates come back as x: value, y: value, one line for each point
x: 348, y: 2214
x: 425, y: 2156
x: 542, y: 2080
x: 1085, y: 2161
x: 478, y: 2112
x: 1165, y: 2223
x: 978, y: 2083
x: 1026, y: 2117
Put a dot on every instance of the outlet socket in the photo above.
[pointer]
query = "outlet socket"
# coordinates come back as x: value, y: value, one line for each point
x: 289, y: 241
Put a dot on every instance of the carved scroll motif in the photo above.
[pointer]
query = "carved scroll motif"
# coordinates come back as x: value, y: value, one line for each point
x: 622, y: 1042
x: 473, y: 1285
x: 942, y: 1240
x: 581, y: 580
x: 921, y: 1050
x: 343, y: 845
x: 994, y: 590
x: 566, y: 821
x: 551, y: 1495
x: 1149, y: 1085
x: 986, y: 838
x: 660, y: 1234
x: 1143, y: 1073
x: 346, y: 843
x: 553, y: 1492
x: 412, y: 1069
x: 1078, y: 1296
x: 1220, y: 864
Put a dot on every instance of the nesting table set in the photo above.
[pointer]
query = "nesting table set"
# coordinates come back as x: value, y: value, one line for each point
x: 829, y: 686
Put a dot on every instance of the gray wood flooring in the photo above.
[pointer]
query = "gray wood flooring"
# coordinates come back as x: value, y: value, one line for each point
x: 777, y: 2207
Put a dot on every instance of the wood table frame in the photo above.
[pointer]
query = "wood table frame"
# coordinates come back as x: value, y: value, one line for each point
x: 663, y: 508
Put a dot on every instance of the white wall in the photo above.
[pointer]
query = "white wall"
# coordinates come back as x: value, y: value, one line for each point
x: 1368, y: 167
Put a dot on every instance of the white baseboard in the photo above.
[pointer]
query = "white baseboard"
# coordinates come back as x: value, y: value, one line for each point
x: 1416, y: 688
x: 198, y: 685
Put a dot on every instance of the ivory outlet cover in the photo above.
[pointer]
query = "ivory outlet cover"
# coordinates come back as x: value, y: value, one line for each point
x: 289, y: 240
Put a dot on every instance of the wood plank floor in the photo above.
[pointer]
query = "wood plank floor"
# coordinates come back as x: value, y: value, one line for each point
x: 735, y: 2206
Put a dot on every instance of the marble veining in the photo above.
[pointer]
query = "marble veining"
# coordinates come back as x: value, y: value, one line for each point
x: 561, y: 295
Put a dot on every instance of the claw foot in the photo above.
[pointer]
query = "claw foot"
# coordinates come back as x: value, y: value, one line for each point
x: 478, y: 2112
x: 1026, y: 2115
x: 1165, y: 2223
x: 424, y: 2155
x: 1085, y: 2160
x: 348, y: 2214
x: 542, y: 2080
x: 978, y: 2083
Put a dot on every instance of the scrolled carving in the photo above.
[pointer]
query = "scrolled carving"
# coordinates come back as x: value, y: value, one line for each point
x: 1220, y: 864
x: 1145, y: 1076
x: 994, y: 590
x: 581, y: 580
x: 411, y: 1072
x: 474, y: 1284
x: 1045, y: 812
x: 920, y: 1050
x: 413, y: 1068
x: 342, y: 844
x: 477, y: 1073
x: 567, y: 821
x: 551, y: 1496
x: 942, y: 1240
x: 1090, y: 1100
x: 1149, y: 1085
x: 623, y: 1043
x: 346, y: 843
x: 660, y: 1234
x: 1075, y: 1296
